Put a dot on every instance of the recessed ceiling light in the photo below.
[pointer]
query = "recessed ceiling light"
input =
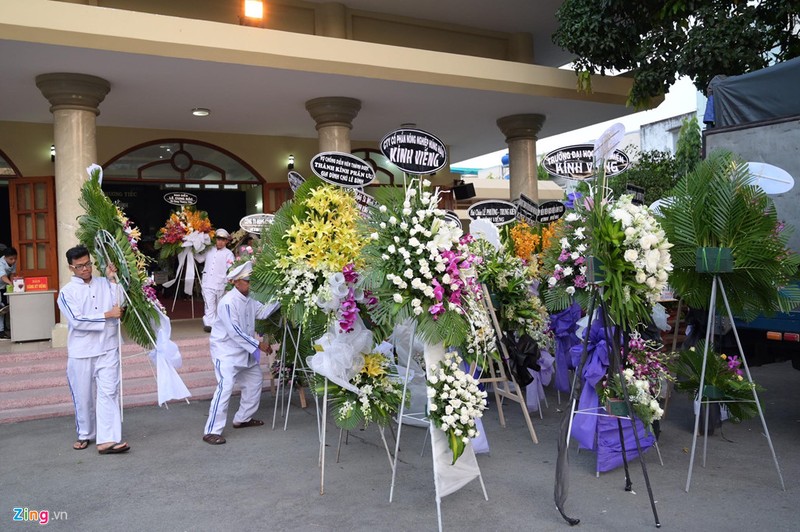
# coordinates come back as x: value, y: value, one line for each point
x: 200, y: 111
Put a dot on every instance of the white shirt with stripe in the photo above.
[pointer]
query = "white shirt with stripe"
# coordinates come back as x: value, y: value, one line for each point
x: 84, y: 306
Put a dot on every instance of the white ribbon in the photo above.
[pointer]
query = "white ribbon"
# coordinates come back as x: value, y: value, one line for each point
x: 186, y: 256
x: 197, y: 240
x: 194, y: 242
x: 340, y: 359
x: 167, y: 358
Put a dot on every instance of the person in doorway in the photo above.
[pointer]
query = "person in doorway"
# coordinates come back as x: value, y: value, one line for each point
x: 91, y: 309
x: 236, y: 353
x: 8, y: 267
x: 217, y: 260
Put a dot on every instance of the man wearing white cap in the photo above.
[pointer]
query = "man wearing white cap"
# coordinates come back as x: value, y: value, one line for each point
x: 217, y: 259
x: 236, y: 353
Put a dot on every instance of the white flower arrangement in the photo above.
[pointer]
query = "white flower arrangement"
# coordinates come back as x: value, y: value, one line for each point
x: 455, y: 402
x: 646, y: 247
x: 420, y: 267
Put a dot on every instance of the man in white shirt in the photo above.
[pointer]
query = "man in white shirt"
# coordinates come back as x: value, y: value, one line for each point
x: 90, y: 307
x: 217, y: 259
x: 236, y: 353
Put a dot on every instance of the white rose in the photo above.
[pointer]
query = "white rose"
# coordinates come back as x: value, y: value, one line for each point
x: 397, y: 298
x: 652, y: 258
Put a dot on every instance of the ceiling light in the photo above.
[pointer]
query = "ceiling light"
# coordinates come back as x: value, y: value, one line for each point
x: 254, y: 9
x: 200, y: 111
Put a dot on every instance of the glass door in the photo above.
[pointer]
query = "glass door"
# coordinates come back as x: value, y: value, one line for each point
x: 33, y: 227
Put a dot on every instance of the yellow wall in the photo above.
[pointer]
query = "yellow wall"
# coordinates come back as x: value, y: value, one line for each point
x: 27, y: 145
x: 297, y: 16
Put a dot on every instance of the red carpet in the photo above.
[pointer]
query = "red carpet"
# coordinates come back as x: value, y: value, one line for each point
x: 183, y: 307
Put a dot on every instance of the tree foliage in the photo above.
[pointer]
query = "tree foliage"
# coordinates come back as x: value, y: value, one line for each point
x: 689, y: 147
x: 659, y: 41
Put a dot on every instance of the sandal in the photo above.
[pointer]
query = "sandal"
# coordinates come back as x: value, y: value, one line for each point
x: 214, y: 439
x: 81, y: 445
x: 115, y: 448
x: 251, y: 423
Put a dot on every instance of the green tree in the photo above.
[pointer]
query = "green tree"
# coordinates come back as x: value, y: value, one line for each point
x: 659, y: 41
x: 654, y: 170
x: 689, y: 147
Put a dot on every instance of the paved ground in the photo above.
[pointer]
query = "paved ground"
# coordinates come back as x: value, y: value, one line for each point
x: 265, y: 479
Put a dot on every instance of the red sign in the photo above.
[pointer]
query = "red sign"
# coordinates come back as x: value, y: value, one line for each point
x: 35, y: 284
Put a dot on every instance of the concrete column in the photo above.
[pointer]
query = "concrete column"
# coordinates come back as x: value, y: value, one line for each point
x: 334, y: 117
x: 74, y: 101
x: 330, y: 20
x: 520, y: 131
x: 520, y: 48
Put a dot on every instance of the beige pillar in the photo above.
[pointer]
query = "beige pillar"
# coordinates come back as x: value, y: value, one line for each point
x: 520, y: 132
x: 334, y: 117
x: 330, y: 20
x: 520, y: 48
x: 74, y: 101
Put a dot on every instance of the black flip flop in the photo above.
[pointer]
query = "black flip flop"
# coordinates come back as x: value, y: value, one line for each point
x: 83, y: 445
x: 113, y: 449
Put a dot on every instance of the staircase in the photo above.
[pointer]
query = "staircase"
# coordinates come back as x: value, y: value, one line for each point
x: 33, y: 385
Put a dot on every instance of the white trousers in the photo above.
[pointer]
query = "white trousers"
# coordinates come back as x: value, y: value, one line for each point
x: 211, y: 297
x: 241, y: 370
x: 94, y: 384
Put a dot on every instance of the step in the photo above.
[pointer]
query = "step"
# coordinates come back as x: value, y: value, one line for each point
x: 43, y: 376
x: 15, y: 415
